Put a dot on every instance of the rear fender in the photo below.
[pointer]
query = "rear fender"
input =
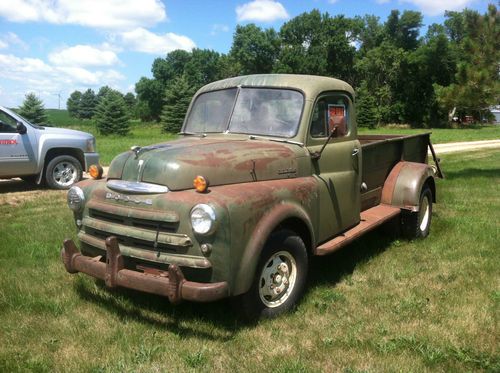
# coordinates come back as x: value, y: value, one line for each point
x: 403, y: 186
x: 266, y: 226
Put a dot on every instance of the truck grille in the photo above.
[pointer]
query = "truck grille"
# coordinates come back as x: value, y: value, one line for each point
x: 134, y: 222
x: 135, y: 229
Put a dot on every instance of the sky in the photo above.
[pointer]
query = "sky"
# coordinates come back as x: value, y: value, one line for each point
x: 54, y: 47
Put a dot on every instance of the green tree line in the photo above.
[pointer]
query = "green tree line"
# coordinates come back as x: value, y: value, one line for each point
x: 400, y: 75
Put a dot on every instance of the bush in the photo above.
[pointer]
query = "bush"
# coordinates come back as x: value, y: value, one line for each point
x: 112, y: 116
x: 177, y: 99
x: 33, y: 109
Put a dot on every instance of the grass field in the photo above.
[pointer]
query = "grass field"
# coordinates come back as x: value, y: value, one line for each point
x: 380, y: 305
x: 150, y: 133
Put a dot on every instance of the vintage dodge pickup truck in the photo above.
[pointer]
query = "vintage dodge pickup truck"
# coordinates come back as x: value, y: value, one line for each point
x: 269, y: 171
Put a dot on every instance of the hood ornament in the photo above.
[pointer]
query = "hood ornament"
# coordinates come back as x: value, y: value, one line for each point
x: 139, y: 149
x: 136, y: 149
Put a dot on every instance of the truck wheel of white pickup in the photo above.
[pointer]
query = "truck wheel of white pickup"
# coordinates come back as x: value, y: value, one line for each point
x: 62, y: 172
x: 280, y: 277
x: 418, y: 224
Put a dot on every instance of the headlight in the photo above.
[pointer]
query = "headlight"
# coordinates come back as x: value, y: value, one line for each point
x: 203, y: 219
x: 76, y: 198
x: 90, y: 146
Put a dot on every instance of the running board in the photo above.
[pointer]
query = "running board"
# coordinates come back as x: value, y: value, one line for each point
x: 370, y: 219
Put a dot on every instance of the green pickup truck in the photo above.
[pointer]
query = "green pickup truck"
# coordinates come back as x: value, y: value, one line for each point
x: 268, y: 171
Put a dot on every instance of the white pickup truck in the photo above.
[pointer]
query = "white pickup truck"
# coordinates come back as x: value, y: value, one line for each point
x: 56, y: 156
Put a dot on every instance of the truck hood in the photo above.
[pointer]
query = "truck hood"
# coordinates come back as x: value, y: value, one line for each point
x: 65, y: 132
x: 221, y: 161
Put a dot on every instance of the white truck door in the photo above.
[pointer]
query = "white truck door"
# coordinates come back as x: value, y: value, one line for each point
x: 18, y: 153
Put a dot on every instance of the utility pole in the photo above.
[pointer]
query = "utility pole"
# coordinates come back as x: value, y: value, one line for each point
x: 59, y: 96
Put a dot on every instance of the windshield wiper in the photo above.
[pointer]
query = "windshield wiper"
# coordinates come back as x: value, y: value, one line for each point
x: 201, y: 134
x: 254, y: 137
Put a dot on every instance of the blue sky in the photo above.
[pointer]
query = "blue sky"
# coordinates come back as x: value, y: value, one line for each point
x: 53, y: 47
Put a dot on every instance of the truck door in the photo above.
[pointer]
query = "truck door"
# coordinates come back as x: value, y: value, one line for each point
x: 339, y: 169
x: 17, y: 152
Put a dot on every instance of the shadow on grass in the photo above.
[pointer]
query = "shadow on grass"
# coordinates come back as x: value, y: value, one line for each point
x: 17, y: 185
x: 212, y: 321
x: 332, y: 268
x: 473, y: 172
x: 217, y: 320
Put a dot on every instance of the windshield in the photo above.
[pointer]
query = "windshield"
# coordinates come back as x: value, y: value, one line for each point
x: 257, y: 111
x: 17, y: 117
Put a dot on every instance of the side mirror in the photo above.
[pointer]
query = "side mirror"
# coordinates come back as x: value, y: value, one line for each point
x: 21, y: 128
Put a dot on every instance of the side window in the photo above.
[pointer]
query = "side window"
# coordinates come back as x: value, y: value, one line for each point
x: 330, y: 112
x: 7, y: 123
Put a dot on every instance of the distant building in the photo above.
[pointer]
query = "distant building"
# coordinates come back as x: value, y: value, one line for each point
x: 495, y: 110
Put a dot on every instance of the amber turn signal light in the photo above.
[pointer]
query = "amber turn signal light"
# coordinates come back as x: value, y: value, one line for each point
x: 200, y: 184
x: 95, y: 171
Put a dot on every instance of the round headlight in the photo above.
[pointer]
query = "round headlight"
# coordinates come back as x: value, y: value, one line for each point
x: 76, y: 198
x: 203, y: 219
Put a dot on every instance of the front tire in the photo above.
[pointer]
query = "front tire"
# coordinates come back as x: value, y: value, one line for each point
x: 418, y: 224
x: 280, y: 278
x: 62, y: 172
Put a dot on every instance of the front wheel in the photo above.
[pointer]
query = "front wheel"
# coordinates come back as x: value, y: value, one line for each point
x: 62, y: 172
x: 280, y: 277
x: 418, y: 224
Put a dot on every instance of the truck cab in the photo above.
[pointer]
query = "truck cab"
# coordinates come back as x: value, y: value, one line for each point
x: 269, y: 171
x: 40, y: 154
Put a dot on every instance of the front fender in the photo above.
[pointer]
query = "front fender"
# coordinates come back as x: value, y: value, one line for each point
x: 266, y: 226
x: 403, y: 185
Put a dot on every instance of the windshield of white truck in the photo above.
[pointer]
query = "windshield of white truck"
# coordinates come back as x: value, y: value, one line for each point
x: 255, y: 111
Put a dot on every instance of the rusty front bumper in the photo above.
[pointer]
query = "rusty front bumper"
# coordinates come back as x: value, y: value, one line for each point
x: 171, y: 284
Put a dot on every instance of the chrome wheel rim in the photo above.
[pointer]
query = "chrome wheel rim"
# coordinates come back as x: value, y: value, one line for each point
x: 277, y: 279
x: 424, y: 214
x: 65, y: 173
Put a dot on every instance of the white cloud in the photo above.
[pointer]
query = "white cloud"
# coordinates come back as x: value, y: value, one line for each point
x: 35, y: 74
x: 261, y: 11
x: 83, y: 55
x: 11, y: 39
x: 107, y: 14
x: 142, y: 40
x: 217, y: 28
x: 435, y: 7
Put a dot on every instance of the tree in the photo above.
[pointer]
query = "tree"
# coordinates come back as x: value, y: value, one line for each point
x: 366, y: 108
x: 317, y: 44
x: 254, y: 49
x: 112, y: 115
x: 477, y: 83
x: 33, y: 109
x: 131, y: 103
x: 103, y: 91
x: 88, y: 104
x: 403, y: 31
x: 177, y: 99
x: 150, y: 93
x: 73, y: 104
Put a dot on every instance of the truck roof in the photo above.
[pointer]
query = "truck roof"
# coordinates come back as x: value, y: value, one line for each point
x: 311, y: 85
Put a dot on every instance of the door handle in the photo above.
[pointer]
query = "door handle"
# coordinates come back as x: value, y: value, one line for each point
x: 355, y: 152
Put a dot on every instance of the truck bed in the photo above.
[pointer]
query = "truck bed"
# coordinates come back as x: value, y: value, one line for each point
x: 380, y: 154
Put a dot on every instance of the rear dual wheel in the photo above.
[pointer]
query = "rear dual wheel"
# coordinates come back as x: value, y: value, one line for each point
x: 418, y: 224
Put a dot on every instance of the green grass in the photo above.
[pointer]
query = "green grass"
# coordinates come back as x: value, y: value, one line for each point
x: 381, y: 304
x: 110, y: 146
x: 443, y: 135
x: 151, y: 133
